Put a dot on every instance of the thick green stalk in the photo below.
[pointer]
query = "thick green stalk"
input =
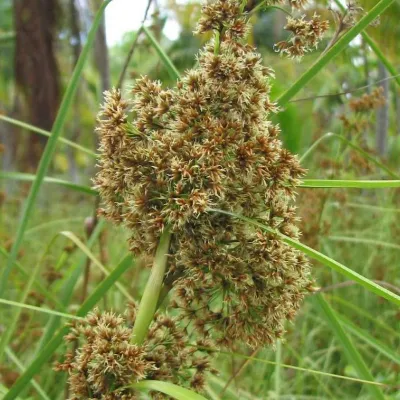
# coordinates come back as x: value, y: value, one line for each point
x: 148, y: 304
x: 51, y: 147
x: 368, y: 39
x: 335, y: 50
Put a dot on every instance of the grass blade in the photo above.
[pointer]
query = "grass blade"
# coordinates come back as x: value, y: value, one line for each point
x: 38, y: 309
x: 95, y: 261
x: 364, y: 241
x: 370, y: 340
x: 335, y: 50
x: 68, y: 288
x: 347, y: 184
x: 19, y: 176
x: 42, y: 132
x: 329, y: 262
x: 375, y: 49
x: 277, y: 373
x: 51, y: 346
x: 169, y: 389
x: 19, y: 365
x: 173, y: 72
x: 350, y: 350
x: 352, y: 145
x: 307, y: 183
x: 51, y: 146
x: 39, y: 287
x: 295, y: 368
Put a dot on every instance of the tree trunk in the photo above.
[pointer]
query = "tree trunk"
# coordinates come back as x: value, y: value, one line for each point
x: 36, y: 69
x: 101, y: 58
x: 76, y: 45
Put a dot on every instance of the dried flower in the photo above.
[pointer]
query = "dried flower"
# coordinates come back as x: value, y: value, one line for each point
x: 106, y: 363
x: 305, y: 35
x: 298, y: 4
x: 368, y: 102
x: 208, y: 143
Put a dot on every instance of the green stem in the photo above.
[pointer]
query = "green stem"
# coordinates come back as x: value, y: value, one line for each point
x: 335, y: 50
x: 148, y: 304
x: 50, y: 147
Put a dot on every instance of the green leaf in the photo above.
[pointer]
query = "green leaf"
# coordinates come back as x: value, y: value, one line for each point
x: 42, y: 132
x: 51, y: 146
x: 169, y: 389
x: 19, y: 176
x: 352, y: 145
x: 351, y: 352
x: 52, y: 345
x: 295, y: 368
x: 316, y: 255
x: 347, y: 184
x: 39, y: 287
x: 71, y: 236
x: 367, y: 338
x: 68, y: 288
x: 364, y: 241
x: 38, y: 309
x: 371, y: 43
x: 173, y: 72
x: 334, y: 51
x: 17, y: 362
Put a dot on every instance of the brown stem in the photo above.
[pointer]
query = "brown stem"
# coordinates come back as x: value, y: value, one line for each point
x: 132, y: 49
x: 241, y: 368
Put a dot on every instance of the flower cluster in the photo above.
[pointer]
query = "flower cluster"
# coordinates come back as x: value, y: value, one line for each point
x: 172, y: 157
x: 106, y: 363
x: 306, y: 34
x: 297, y: 4
x: 368, y: 101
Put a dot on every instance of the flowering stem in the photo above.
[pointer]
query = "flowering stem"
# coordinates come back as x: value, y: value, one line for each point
x: 148, y: 304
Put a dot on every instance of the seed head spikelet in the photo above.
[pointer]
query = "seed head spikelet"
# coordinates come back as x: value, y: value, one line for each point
x: 209, y: 143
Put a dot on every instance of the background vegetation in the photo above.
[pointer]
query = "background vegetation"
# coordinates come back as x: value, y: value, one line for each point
x: 345, y: 341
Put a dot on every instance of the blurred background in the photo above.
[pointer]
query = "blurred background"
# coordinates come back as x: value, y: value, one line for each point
x: 345, y: 124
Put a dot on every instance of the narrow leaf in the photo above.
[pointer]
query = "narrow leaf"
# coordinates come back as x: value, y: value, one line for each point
x: 316, y: 255
x: 346, y: 184
x: 169, y: 389
x: 351, y: 352
x: 173, y: 72
x: 19, y: 176
x: 42, y: 132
